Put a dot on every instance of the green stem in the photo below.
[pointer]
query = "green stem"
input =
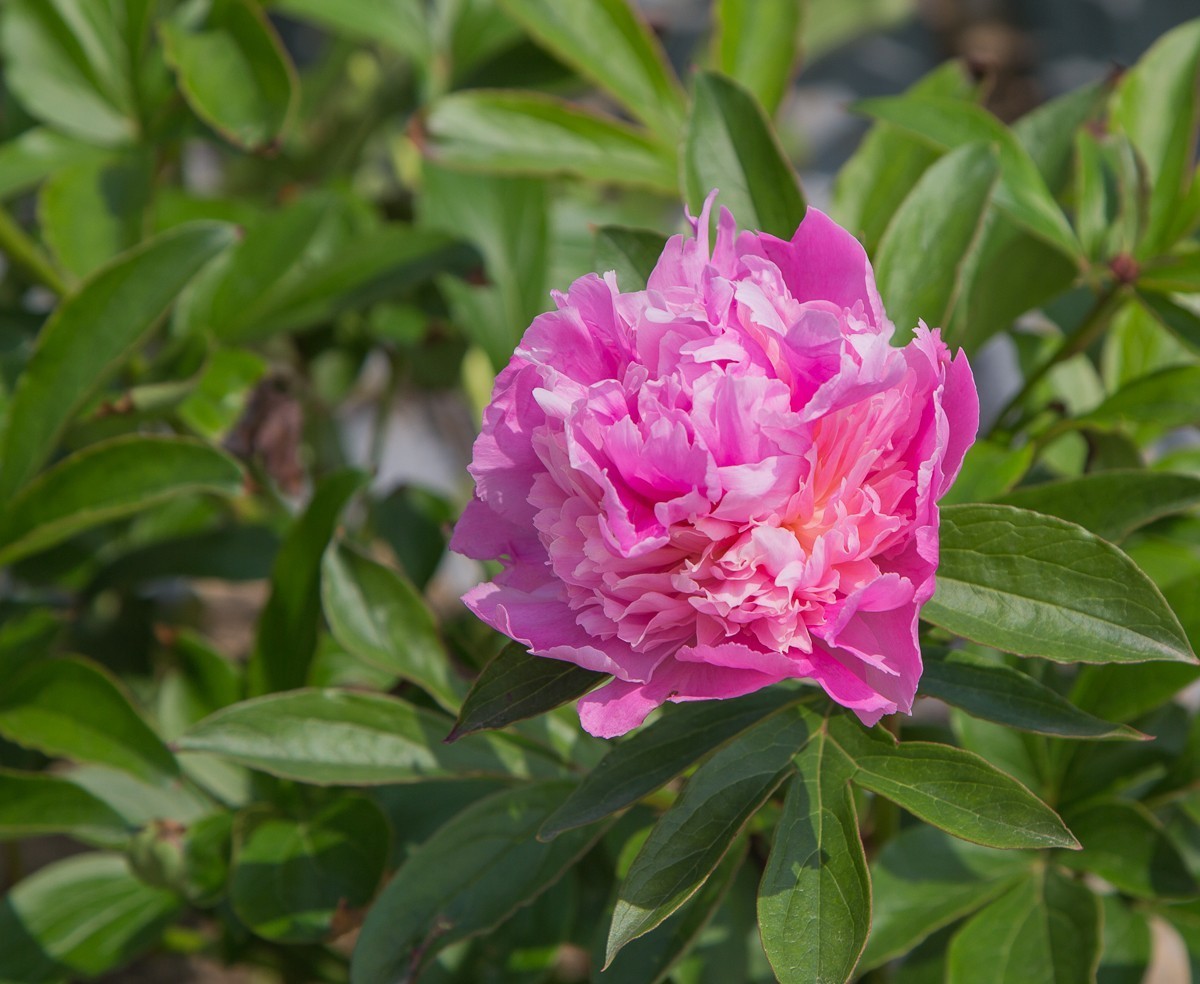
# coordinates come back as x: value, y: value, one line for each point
x: 1080, y: 340
x: 23, y: 252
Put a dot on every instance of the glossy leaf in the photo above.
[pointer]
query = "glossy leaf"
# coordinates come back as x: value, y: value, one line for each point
x: 379, y: 617
x: 75, y: 709
x: 757, y: 43
x: 731, y: 147
x: 107, y: 481
x: 1112, y: 504
x: 690, y: 839
x: 630, y: 253
x: 923, y: 258
x: 468, y: 877
x: 524, y: 133
x: 955, y: 790
x: 1057, y: 922
x: 924, y: 879
x: 232, y: 69
x: 1038, y: 586
x: 89, y: 336
x: 287, y: 630
x: 291, y: 876
x: 608, y: 42
x: 515, y: 685
x: 999, y: 693
x: 814, y: 902
x: 79, y: 918
x: 657, y: 753
x: 34, y: 804
x: 343, y: 738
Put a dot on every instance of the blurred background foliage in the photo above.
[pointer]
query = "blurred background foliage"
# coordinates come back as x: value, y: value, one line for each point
x: 261, y: 263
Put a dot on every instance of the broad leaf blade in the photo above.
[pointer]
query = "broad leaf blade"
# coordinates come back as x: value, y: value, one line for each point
x: 690, y: 839
x: 516, y: 685
x: 814, y: 902
x: 1038, y: 586
x: 34, y: 804
x: 757, y: 43
x: 630, y: 253
x: 330, y: 737
x: 731, y: 147
x: 88, y: 337
x: 1167, y: 398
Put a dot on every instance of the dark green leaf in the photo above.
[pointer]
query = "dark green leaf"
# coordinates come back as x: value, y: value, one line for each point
x: 757, y: 43
x: 33, y: 804
x: 1121, y: 693
x: 1127, y: 943
x: 379, y: 617
x: 526, y: 133
x: 516, y: 685
x: 731, y: 147
x: 690, y: 839
x: 75, y: 709
x: 398, y: 23
x: 1182, y: 322
x: 342, y: 738
x: 925, y: 253
x: 1111, y: 504
x: 1179, y: 273
x: 467, y: 878
x: 814, y: 903
x: 234, y: 553
x: 1167, y: 398
x: 1038, y: 586
x: 999, y: 693
x: 1156, y: 104
x: 107, y: 481
x: 955, y: 790
x: 609, y: 43
x: 923, y: 880
x: 1057, y: 922
x: 79, y: 918
x: 630, y: 253
x: 232, y: 69
x: 290, y: 877
x: 89, y: 336
x: 287, y: 630
x: 659, y: 752
x: 1048, y: 132
x: 1126, y: 846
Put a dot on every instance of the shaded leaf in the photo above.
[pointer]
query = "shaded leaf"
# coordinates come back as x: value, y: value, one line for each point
x: 1167, y: 398
x: 630, y: 253
x: 33, y: 804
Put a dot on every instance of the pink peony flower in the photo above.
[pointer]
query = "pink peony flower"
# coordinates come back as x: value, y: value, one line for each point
x: 725, y: 480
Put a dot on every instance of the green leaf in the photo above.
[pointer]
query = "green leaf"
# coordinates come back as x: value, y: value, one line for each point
x: 955, y: 790
x: 343, y: 738
x: 1091, y: 195
x: 1048, y: 132
x: 924, y: 256
x: 1038, y: 586
x: 1179, y: 273
x: 467, y: 878
x: 232, y: 69
x: 657, y: 753
x: 1156, y: 104
x: 516, y: 685
x: 631, y: 254
x: 923, y: 880
x: 90, y: 334
x: 1112, y: 504
x: 397, y: 23
x: 290, y: 876
x: 730, y: 147
x: 1021, y: 191
x: 93, y: 211
x: 757, y: 44
x: 1057, y: 922
x: 999, y: 693
x: 1126, y: 846
x: 690, y: 839
x: 988, y: 470
x: 1127, y: 943
x: 84, y: 66
x: 77, y: 710
x: 33, y: 804
x: 1182, y: 322
x: 1122, y: 693
x: 606, y: 41
x: 107, y: 481
x: 287, y: 630
x: 1167, y: 398
x: 36, y: 154
x: 79, y: 918
x: 380, y: 618
x: 527, y: 133
x: 814, y: 903
x: 888, y: 163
